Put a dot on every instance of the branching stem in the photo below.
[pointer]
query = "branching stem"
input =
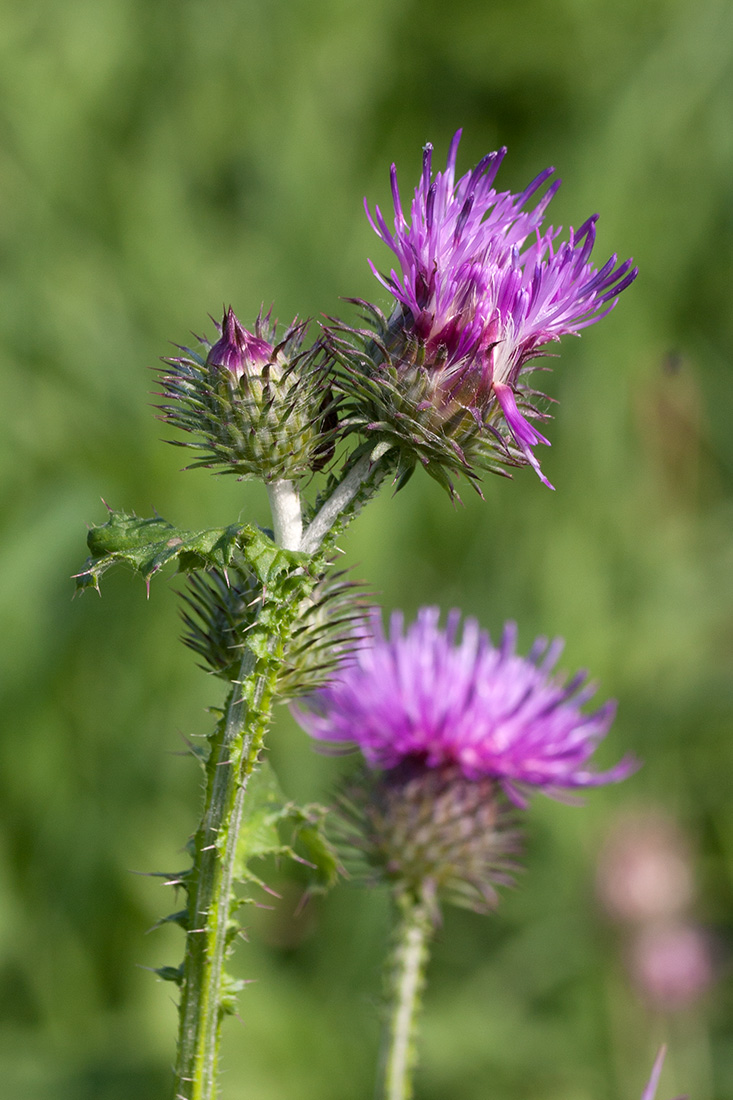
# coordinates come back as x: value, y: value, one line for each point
x: 234, y: 749
x: 365, y: 467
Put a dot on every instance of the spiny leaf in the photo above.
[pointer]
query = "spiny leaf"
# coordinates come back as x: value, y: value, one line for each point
x: 180, y: 918
x: 146, y: 545
x: 170, y: 974
x: 267, y: 560
x: 319, y: 851
x: 260, y: 835
x: 230, y: 987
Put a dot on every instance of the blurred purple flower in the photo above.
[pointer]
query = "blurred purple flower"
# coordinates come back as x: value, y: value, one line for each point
x: 421, y: 696
x: 483, y: 289
x: 672, y: 964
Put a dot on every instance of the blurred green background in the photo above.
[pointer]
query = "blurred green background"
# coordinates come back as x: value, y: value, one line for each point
x: 161, y: 158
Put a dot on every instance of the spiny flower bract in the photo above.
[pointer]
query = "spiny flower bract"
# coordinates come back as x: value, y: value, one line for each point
x: 479, y: 291
x: 430, y: 832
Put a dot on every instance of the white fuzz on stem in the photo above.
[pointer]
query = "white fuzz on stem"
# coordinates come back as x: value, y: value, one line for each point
x: 287, y: 519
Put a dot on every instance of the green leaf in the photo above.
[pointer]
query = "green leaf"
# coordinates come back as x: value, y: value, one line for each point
x: 258, y: 834
x: 170, y: 974
x: 230, y: 987
x: 269, y: 814
x: 266, y: 559
x: 146, y: 545
x: 319, y: 852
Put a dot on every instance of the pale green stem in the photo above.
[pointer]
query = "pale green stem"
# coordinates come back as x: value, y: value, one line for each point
x: 406, y: 982
x: 364, y: 468
x: 287, y: 520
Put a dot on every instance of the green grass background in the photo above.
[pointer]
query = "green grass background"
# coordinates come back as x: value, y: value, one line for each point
x: 161, y: 158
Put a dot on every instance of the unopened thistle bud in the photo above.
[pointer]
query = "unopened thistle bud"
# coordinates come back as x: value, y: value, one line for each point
x: 238, y: 351
x: 258, y: 409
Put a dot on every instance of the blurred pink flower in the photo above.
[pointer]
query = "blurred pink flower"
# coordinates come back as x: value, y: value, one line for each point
x: 645, y: 869
x: 671, y: 965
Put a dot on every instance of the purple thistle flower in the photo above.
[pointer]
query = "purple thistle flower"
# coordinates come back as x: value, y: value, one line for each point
x: 482, y: 289
x: 422, y: 696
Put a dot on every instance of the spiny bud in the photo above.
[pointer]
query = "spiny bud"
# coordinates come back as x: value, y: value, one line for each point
x: 258, y: 408
x: 433, y: 833
x: 219, y: 611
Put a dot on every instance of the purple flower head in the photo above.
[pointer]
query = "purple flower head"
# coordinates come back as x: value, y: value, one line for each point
x: 422, y: 695
x: 237, y: 350
x: 482, y: 288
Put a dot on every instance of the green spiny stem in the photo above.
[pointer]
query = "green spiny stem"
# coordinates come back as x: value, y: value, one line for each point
x: 406, y: 980
x: 369, y: 466
x: 234, y: 750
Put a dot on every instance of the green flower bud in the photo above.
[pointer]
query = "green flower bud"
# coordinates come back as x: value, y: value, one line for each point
x: 257, y: 408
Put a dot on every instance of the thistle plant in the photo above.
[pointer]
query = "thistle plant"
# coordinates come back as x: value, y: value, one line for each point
x: 323, y: 415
